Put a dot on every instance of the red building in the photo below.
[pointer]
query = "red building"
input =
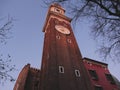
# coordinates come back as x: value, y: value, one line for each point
x: 62, y: 64
x: 99, y: 75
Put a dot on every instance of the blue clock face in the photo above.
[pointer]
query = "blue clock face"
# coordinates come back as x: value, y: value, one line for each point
x: 62, y: 29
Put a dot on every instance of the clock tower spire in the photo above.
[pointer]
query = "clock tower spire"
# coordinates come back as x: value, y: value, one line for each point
x: 62, y: 66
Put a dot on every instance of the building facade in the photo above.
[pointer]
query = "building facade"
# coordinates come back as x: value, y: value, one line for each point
x: 100, y: 77
x: 28, y: 79
x: 62, y: 65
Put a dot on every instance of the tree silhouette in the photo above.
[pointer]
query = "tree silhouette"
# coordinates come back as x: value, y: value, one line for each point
x: 6, y: 68
x: 5, y: 63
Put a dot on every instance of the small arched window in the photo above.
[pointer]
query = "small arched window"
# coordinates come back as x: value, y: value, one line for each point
x: 69, y: 41
x: 58, y: 37
x: 61, y: 69
x: 77, y: 73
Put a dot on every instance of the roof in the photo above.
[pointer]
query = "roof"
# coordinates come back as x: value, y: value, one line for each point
x: 91, y: 60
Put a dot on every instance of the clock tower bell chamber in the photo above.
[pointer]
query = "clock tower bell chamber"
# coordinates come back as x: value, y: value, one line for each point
x: 62, y: 66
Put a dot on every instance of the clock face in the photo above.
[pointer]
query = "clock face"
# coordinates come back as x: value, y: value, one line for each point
x: 62, y: 29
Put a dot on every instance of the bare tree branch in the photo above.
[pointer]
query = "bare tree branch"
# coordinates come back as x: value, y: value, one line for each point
x: 5, y: 63
x: 6, y: 68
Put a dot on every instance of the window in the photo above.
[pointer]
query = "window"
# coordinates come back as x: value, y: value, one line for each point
x: 98, y: 88
x: 58, y: 37
x: 110, y: 78
x: 68, y: 40
x: 58, y: 10
x: 93, y: 74
x: 77, y: 73
x: 61, y: 69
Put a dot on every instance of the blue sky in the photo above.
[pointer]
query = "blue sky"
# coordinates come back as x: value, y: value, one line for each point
x: 27, y: 42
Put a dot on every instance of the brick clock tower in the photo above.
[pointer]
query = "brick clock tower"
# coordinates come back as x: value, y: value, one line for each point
x: 62, y: 65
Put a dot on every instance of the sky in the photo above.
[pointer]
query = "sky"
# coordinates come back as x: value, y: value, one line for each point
x: 26, y: 44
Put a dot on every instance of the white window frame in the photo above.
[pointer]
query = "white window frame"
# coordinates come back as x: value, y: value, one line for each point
x: 58, y: 37
x: 61, y: 69
x: 69, y: 41
x: 77, y: 73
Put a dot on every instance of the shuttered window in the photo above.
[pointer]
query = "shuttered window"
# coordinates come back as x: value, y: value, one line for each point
x: 93, y: 74
x: 110, y: 78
